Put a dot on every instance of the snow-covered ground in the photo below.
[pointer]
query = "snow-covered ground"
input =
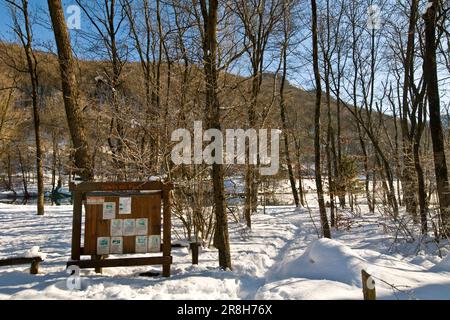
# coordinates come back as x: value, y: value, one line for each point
x: 280, y: 258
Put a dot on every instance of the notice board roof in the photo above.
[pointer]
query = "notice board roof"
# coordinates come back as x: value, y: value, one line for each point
x: 121, y: 186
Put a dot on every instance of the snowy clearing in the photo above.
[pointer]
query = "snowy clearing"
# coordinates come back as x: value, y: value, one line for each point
x: 281, y: 258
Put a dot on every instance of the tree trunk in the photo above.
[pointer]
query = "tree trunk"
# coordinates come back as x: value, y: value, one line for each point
x: 26, y: 40
x: 299, y: 172
x: 209, y: 13
x: 70, y: 91
x: 249, y: 177
x: 39, y: 162
x: 437, y: 135
x: 328, y: 151
x: 54, y: 160
x: 251, y: 186
x: 10, y: 180
x: 374, y: 187
x: 24, y: 175
x: 318, y: 170
x: 366, y: 169
x: 409, y: 177
x: 283, y: 113
x: 339, y: 187
x: 421, y: 189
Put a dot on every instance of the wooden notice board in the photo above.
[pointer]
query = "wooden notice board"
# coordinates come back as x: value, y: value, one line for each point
x: 121, y: 218
x: 143, y: 206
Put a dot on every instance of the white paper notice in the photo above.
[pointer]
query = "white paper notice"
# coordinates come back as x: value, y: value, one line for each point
x: 124, y: 205
x: 141, y: 244
x: 129, y: 227
x: 154, y: 243
x: 141, y: 226
x: 116, y: 245
x: 116, y: 228
x: 102, y: 245
x: 109, y: 210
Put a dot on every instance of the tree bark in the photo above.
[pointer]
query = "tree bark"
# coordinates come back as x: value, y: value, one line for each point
x: 9, y: 169
x: 26, y: 40
x: 70, y: 91
x: 299, y: 171
x: 318, y: 170
x: 328, y: 147
x: 286, y: 27
x: 26, y: 195
x: 409, y: 175
x: 209, y: 12
x: 437, y: 135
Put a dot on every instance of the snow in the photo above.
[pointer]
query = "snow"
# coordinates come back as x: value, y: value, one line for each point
x: 281, y: 257
x: 305, y: 289
x: 330, y: 270
x: 35, y: 252
x: 443, y: 265
x: 324, y: 259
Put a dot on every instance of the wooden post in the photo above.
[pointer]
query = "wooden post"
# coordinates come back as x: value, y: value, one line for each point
x: 76, y: 224
x: 368, y: 285
x: 167, y: 247
x: 34, y: 269
x: 96, y: 258
x: 194, y: 249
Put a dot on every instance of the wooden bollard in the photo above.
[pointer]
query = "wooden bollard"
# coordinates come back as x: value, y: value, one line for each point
x: 34, y: 269
x: 194, y: 249
x: 368, y: 286
x: 98, y: 257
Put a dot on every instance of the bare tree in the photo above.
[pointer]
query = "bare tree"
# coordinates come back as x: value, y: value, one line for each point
x: 409, y: 175
x: 437, y: 135
x: 24, y: 33
x: 318, y: 170
x: 208, y: 31
x: 287, y: 34
x: 70, y: 91
x: 107, y: 19
x: 258, y: 21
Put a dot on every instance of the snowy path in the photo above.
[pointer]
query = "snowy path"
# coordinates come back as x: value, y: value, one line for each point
x: 301, y: 233
x: 274, y: 261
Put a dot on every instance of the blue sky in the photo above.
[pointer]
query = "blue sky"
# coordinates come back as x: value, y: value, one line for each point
x: 39, y: 11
